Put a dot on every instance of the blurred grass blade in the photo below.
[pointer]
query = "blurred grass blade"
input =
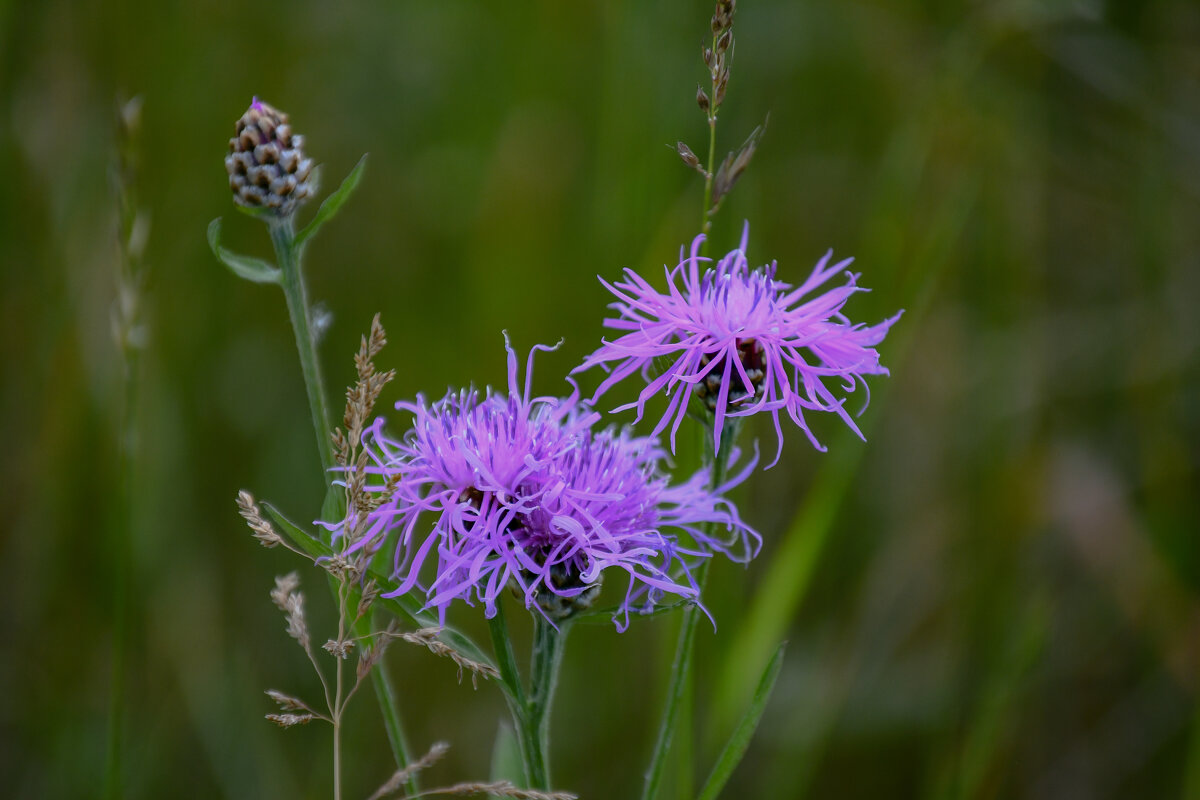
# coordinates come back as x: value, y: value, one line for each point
x: 681, y: 670
x: 254, y: 270
x: 792, y: 565
x: 785, y: 584
x: 739, y: 740
x: 389, y: 708
x: 333, y: 203
x: 506, y: 756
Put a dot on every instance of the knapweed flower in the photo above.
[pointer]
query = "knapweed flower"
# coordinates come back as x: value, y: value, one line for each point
x: 497, y: 491
x: 739, y: 341
x: 266, y: 164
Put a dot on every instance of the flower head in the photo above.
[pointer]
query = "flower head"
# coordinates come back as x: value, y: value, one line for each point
x: 739, y: 341
x: 266, y: 164
x: 519, y: 492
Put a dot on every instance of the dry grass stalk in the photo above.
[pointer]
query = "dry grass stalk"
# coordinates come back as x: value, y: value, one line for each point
x: 263, y: 531
x: 496, y: 789
x: 360, y: 401
x: 291, y: 720
x: 338, y: 648
x: 287, y: 702
x: 401, y: 776
x: 428, y: 637
x: 291, y: 602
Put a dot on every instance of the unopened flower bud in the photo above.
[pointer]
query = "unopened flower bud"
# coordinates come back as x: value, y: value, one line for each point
x: 702, y: 100
x: 724, y: 42
x: 266, y: 164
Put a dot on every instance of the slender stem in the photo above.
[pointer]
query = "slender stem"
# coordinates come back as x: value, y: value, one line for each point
x: 548, y: 644
x: 389, y: 708
x: 680, y: 694
x: 283, y: 236
x: 706, y: 217
x: 510, y: 675
x: 122, y: 567
x: 339, y: 704
x: 675, y: 692
x: 506, y: 660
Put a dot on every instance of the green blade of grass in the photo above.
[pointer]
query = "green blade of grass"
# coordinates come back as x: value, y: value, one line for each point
x: 739, y: 740
x: 792, y: 565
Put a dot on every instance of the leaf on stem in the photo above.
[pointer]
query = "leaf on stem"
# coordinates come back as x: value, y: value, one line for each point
x: 506, y: 755
x: 739, y: 740
x: 332, y: 204
x: 254, y: 270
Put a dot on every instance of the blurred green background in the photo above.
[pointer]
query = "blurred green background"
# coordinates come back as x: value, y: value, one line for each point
x: 995, y: 597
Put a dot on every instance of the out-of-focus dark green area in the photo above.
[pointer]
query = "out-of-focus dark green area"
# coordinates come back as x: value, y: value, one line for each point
x: 995, y: 597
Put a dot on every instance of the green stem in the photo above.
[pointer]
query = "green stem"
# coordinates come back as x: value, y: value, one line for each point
x: 506, y: 662
x: 680, y: 694
x: 283, y: 236
x: 531, y: 713
x: 548, y: 644
x: 675, y: 693
x: 122, y: 567
x: 338, y: 703
x: 337, y: 759
x: 389, y: 709
x: 706, y: 218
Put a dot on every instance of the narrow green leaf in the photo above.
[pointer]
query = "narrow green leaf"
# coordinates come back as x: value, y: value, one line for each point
x: 739, y: 740
x: 252, y: 269
x: 333, y: 203
x: 403, y: 606
x: 506, y: 756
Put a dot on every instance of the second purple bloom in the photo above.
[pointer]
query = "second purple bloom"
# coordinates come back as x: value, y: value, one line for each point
x: 740, y: 342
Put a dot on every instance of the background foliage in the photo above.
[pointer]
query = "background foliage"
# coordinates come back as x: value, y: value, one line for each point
x: 996, y: 597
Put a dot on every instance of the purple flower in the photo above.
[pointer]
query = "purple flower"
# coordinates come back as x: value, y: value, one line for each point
x: 508, y: 490
x: 740, y: 341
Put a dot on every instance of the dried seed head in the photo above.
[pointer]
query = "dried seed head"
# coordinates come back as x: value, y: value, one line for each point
x: 702, y: 99
x: 401, y: 776
x: 285, y: 701
x: 290, y: 720
x: 291, y: 602
x: 687, y: 155
x: 339, y: 648
x: 724, y: 42
x: 503, y: 789
x: 266, y: 164
x: 722, y: 82
x: 285, y: 585
x: 723, y: 16
x: 428, y: 637
x: 263, y: 531
x: 735, y: 164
